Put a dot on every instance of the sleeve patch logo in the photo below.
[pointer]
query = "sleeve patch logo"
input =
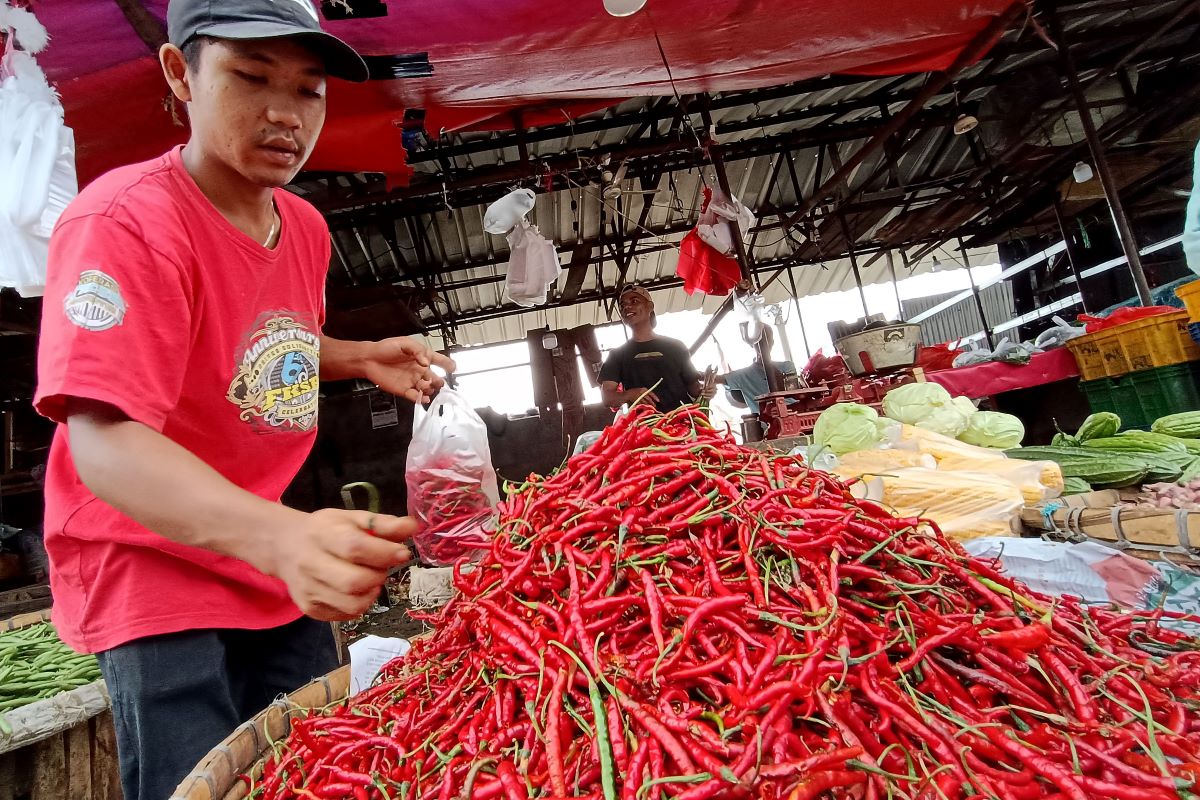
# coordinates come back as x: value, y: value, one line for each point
x: 95, y: 304
x: 277, y: 380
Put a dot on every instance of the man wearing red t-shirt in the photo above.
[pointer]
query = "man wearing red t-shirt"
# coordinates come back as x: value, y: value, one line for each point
x: 181, y: 355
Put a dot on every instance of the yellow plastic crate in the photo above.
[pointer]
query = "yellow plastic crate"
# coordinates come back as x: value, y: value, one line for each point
x: 1189, y: 293
x: 1088, y: 356
x: 1161, y: 341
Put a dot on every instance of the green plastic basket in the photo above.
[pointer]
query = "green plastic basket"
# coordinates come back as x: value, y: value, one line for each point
x: 1141, y: 397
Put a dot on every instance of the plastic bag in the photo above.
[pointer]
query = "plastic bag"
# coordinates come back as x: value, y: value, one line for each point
x: 452, y: 488
x: 1122, y: 316
x: 937, y: 356
x: 509, y: 211
x: 705, y: 270
x: 824, y: 369
x: 1060, y: 334
x: 532, y: 265
x: 965, y: 505
x: 846, y: 428
x: 37, y: 157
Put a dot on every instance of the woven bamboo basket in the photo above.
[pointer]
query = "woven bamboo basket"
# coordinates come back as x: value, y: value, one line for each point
x: 216, y: 777
x: 79, y: 763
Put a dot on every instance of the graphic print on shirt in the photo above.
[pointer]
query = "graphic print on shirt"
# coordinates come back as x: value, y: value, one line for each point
x: 95, y: 304
x: 278, y: 374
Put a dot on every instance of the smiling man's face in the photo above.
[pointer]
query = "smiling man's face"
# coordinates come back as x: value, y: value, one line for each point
x: 634, y: 308
x: 257, y: 106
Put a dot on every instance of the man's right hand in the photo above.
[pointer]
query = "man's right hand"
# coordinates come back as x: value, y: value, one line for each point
x: 635, y: 396
x: 334, y: 562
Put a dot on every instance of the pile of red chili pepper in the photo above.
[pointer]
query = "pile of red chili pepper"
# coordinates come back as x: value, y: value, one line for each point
x: 674, y: 615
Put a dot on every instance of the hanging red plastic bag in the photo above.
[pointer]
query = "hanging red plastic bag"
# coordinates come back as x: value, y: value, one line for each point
x: 705, y: 270
x: 705, y: 262
x: 938, y: 356
x: 452, y: 488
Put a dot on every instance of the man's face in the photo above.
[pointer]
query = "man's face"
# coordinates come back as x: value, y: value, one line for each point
x: 634, y: 308
x: 257, y: 106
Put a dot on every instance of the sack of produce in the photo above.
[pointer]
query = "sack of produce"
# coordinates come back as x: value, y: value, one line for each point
x: 926, y: 405
x: 873, y: 462
x: 963, y: 504
x: 1038, y: 480
x: 451, y: 483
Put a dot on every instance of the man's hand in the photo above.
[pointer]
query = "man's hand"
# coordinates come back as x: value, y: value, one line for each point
x: 640, y: 396
x: 334, y: 562
x: 401, y: 366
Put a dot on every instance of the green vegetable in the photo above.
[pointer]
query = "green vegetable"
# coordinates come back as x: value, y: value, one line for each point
x: 1102, y: 424
x: 1138, y: 442
x: 1061, y: 439
x: 1191, y: 472
x: 35, y: 665
x: 1102, y: 468
x: 846, y: 428
x: 993, y: 429
x: 1075, y: 486
x: 1185, y: 425
x: 928, y: 406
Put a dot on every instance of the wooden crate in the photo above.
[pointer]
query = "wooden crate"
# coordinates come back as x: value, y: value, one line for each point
x: 79, y: 763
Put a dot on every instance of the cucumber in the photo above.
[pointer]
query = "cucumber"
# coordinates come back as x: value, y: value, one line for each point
x: 1099, y: 425
x: 1185, y: 425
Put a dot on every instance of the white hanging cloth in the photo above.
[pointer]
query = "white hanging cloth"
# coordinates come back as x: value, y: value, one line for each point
x: 37, y: 156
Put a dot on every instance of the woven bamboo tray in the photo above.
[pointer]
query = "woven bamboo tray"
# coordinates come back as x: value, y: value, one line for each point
x: 79, y: 763
x: 216, y: 777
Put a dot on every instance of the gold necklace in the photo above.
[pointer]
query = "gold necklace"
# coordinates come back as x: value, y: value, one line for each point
x: 271, y: 235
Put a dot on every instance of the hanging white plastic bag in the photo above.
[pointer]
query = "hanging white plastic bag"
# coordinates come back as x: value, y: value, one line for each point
x: 37, y: 157
x: 509, y: 211
x: 532, y: 265
x: 452, y: 488
x: 713, y: 226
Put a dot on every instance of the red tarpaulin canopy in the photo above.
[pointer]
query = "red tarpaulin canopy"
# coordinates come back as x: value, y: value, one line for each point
x: 548, y: 57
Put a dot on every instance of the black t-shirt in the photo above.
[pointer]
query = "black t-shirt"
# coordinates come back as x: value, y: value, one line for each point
x: 662, y: 361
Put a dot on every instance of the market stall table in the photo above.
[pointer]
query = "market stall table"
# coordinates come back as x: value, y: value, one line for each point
x: 985, y: 380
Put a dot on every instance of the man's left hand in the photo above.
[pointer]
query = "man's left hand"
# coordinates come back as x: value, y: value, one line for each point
x: 402, y: 366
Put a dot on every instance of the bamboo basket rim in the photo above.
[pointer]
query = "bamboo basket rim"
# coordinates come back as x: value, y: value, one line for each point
x: 216, y: 776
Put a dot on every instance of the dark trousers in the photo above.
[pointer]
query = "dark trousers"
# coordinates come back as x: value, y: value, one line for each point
x: 175, y: 697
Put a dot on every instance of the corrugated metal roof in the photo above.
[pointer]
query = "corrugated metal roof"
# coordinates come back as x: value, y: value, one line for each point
x: 775, y: 142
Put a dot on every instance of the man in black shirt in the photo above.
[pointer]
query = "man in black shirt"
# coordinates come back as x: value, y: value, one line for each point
x: 654, y: 368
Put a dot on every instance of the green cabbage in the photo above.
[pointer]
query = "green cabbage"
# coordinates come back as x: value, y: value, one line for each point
x: 928, y: 406
x: 847, y: 427
x: 993, y: 429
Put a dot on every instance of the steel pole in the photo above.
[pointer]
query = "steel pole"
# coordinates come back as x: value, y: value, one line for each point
x: 1120, y: 218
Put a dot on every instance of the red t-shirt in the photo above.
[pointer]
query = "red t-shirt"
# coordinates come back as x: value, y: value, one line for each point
x: 157, y: 305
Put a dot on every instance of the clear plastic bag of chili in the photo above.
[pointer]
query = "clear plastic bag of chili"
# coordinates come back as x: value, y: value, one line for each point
x: 452, y: 488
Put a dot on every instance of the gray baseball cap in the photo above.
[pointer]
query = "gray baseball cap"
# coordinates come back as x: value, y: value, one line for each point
x: 263, y: 19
